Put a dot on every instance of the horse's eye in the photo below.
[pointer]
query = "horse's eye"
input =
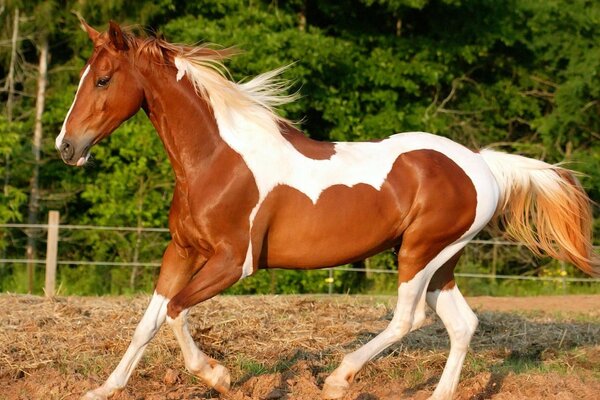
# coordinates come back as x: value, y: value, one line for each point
x: 103, y: 81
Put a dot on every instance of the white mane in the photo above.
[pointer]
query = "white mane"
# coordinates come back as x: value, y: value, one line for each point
x: 255, y: 99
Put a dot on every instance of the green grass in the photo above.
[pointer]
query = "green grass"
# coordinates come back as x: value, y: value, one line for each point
x: 73, y: 281
x: 251, y: 367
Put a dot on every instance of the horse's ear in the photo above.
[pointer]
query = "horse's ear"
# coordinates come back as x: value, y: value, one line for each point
x: 117, y: 37
x: 92, y: 33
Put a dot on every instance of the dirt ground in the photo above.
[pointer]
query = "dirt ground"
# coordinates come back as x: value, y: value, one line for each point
x: 586, y: 304
x: 283, y: 347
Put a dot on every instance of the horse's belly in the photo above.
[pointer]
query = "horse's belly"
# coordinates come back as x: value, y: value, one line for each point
x: 345, y: 224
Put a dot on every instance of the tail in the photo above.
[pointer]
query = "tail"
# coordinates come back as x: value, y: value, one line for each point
x: 544, y: 207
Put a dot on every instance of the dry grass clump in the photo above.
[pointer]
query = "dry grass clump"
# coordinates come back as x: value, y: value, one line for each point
x: 283, y: 347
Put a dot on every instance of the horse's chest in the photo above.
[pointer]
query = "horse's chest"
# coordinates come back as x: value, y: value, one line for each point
x: 214, y: 207
x: 181, y: 225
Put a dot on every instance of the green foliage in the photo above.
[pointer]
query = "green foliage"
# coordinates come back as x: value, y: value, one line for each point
x: 12, y: 198
x: 522, y: 75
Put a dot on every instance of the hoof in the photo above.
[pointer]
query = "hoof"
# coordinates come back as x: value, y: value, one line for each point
x: 334, y: 389
x: 438, y: 397
x: 96, y: 394
x: 220, y: 379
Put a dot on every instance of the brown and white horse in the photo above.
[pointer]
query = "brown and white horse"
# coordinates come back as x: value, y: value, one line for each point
x: 253, y: 192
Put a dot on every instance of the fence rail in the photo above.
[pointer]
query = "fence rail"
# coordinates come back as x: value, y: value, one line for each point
x: 53, y: 227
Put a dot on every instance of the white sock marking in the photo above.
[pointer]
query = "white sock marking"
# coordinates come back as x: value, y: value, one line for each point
x: 150, y: 323
x: 195, y: 360
x: 460, y: 322
x: 409, y: 296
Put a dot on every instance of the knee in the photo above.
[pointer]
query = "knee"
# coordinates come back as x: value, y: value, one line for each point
x: 462, y: 334
x: 399, y: 329
x: 419, y: 320
x: 174, y: 308
x: 469, y: 329
x: 472, y: 321
x: 143, y: 334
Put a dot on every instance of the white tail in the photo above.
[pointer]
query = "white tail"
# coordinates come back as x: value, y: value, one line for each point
x: 544, y: 207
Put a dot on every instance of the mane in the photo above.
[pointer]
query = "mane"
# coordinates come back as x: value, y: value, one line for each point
x: 257, y: 98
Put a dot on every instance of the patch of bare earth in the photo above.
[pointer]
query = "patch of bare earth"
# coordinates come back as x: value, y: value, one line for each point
x: 283, y: 347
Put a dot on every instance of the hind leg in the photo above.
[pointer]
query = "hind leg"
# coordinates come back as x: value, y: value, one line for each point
x: 460, y: 322
x: 420, y: 316
x: 416, y: 269
x: 175, y: 273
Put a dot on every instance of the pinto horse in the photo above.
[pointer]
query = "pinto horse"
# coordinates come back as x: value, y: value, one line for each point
x: 253, y: 192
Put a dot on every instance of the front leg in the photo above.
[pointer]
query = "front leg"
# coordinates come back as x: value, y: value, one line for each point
x: 176, y: 271
x: 151, y: 321
x: 198, y: 363
x: 220, y: 272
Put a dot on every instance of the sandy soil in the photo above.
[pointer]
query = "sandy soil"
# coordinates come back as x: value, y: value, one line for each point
x: 283, y: 347
x: 567, y: 304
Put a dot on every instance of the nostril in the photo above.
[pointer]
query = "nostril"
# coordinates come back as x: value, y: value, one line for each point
x: 66, y: 150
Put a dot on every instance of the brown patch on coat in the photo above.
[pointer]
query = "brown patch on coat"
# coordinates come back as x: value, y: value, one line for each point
x: 443, y: 278
x: 427, y: 202
x: 300, y: 234
x: 446, y: 205
x: 306, y: 146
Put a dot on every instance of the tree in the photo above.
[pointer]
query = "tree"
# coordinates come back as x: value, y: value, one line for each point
x: 520, y: 75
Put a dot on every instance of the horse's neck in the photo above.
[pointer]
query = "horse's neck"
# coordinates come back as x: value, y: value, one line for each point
x: 188, y: 127
x: 184, y: 122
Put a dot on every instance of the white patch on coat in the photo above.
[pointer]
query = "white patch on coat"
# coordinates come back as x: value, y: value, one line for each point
x: 251, y: 129
x: 63, y: 130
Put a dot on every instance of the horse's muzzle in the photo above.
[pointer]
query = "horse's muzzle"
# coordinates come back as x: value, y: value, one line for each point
x: 70, y: 154
x: 67, y: 151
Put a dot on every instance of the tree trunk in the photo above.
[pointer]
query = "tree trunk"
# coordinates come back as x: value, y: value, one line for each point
x: 10, y: 78
x: 302, y: 21
x: 10, y: 88
x: 34, y: 197
x: 302, y: 17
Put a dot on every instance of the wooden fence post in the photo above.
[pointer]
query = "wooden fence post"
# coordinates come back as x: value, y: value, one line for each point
x: 51, y: 252
x: 494, y: 261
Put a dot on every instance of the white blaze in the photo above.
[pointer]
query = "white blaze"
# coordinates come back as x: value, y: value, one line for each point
x: 63, y: 130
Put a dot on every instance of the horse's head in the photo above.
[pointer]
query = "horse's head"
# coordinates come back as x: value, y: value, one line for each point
x: 109, y: 92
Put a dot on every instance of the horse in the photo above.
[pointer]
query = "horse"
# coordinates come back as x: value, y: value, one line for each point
x: 252, y: 191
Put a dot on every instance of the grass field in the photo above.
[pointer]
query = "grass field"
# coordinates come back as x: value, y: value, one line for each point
x: 283, y: 347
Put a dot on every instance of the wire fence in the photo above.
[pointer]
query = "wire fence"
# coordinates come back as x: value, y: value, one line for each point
x: 28, y: 228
